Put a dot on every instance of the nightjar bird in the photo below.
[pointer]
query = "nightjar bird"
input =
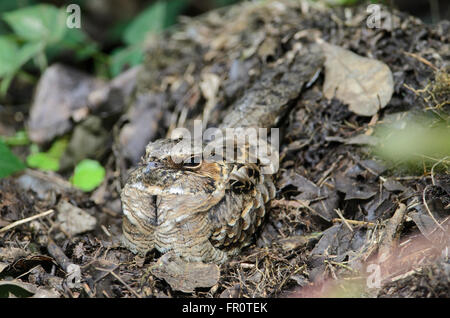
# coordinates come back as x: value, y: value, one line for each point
x: 208, y: 209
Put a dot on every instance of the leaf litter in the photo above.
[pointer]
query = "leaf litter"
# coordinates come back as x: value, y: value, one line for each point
x: 339, y: 208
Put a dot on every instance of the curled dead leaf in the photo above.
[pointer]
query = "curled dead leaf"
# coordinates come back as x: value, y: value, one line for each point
x: 366, y: 85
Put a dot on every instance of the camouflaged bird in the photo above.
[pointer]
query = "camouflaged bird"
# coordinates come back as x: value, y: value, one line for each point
x: 208, y: 210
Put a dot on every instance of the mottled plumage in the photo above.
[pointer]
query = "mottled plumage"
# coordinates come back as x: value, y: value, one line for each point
x: 207, y: 211
x: 202, y: 212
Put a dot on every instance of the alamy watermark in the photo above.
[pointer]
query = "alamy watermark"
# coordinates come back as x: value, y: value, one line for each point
x: 73, y: 20
x: 374, y: 19
x: 379, y: 18
x: 233, y: 145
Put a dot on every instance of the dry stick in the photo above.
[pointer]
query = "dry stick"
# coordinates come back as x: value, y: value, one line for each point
x: 31, y: 218
x: 406, y: 178
x: 432, y: 168
x: 73, y: 271
x: 296, y: 204
x: 343, y: 219
x: 58, y: 254
x: 355, y: 222
x: 421, y: 59
x: 120, y: 280
x: 428, y: 209
x: 27, y: 272
x: 392, y: 227
x: 87, y: 290
x: 326, y: 173
x: 445, y: 220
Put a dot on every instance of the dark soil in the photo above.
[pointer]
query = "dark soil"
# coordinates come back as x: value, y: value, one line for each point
x: 305, y: 248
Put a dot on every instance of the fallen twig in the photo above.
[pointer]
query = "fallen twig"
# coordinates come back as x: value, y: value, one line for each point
x: 73, y: 271
x: 428, y: 209
x: 23, y: 221
x: 343, y: 219
x: 120, y: 280
x: 434, y: 166
x: 354, y: 222
x: 421, y: 59
x: 392, y: 228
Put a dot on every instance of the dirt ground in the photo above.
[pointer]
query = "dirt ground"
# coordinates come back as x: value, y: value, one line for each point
x: 345, y: 223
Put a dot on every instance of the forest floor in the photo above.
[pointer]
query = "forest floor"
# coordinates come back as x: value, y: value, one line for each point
x: 346, y: 221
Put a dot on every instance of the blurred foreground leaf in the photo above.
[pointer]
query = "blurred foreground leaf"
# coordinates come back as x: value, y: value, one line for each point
x: 152, y: 19
x: 155, y: 18
x: 416, y: 141
x: 43, y: 23
x: 40, y: 32
x: 9, y: 163
x: 7, y: 55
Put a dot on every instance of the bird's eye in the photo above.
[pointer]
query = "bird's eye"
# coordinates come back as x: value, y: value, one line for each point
x: 192, y: 162
x: 152, y: 165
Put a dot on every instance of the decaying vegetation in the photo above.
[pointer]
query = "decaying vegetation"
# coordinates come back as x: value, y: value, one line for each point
x: 347, y: 221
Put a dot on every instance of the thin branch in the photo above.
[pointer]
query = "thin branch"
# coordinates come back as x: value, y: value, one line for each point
x: 421, y: 59
x: 120, y: 280
x: 432, y: 168
x: 354, y: 222
x: 428, y: 209
x: 31, y: 218
x: 343, y: 219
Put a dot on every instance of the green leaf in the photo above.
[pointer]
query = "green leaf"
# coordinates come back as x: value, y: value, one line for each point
x: 48, y: 161
x: 5, y: 84
x: 173, y: 10
x: 58, y: 147
x: 19, y: 139
x: 129, y: 56
x: 88, y: 175
x: 155, y: 18
x: 74, y: 40
x: 41, y: 22
x: 152, y: 19
x: 12, y: 59
x: 8, y: 55
x: 28, y: 51
x: 9, y: 163
x: 43, y: 161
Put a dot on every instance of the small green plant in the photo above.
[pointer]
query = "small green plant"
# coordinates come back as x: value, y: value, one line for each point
x: 155, y: 18
x: 38, y: 31
x: 88, y: 175
x: 19, y: 139
x: 9, y: 163
x: 49, y: 160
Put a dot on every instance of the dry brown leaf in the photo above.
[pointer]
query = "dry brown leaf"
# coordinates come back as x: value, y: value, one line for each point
x: 185, y: 276
x: 74, y: 220
x: 366, y: 85
x: 293, y: 242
